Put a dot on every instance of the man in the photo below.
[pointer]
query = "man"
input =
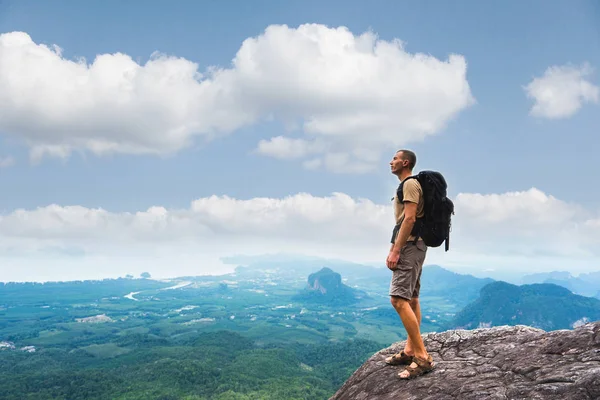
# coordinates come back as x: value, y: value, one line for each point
x: 405, y: 259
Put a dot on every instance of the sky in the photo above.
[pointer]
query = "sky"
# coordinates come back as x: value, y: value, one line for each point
x: 166, y: 137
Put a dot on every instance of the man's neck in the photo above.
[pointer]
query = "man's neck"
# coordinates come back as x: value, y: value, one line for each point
x: 404, y: 174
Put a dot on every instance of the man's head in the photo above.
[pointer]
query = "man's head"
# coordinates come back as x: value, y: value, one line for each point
x: 403, y: 162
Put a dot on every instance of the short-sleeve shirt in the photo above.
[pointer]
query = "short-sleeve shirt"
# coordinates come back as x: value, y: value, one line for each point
x: 411, y: 191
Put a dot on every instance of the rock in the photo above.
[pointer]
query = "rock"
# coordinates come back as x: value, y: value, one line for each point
x: 507, y: 362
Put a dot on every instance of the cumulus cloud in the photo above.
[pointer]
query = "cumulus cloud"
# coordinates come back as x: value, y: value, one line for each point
x: 516, y: 228
x: 542, y: 210
x: 211, y: 218
x: 288, y: 148
x: 347, y: 90
x: 530, y: 223
x: 562, y: 91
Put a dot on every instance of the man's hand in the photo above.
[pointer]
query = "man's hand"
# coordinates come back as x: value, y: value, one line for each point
x: 392, y: 259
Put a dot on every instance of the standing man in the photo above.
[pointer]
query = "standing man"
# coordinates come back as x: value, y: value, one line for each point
x: 405, y: 259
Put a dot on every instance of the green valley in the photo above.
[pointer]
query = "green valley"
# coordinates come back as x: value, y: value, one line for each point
x: 239, y: 336
x: 282, y: 330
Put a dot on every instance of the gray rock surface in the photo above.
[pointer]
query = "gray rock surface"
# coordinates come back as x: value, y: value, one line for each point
x: 508, y: 362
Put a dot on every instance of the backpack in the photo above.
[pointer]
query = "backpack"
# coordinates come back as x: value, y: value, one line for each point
x: 435, y: 225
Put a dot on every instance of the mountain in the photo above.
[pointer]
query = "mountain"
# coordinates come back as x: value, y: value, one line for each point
x: 325, y: 286
x: 459, y: 288
x: 435, y: 280
x: 517, y: 362
x: 585, y: 284
x: 546, y: 306
x: 288, y: 265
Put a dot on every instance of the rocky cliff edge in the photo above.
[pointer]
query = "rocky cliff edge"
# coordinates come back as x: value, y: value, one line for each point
x: 508, y: 362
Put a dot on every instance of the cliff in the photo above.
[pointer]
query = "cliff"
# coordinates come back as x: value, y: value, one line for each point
x: 508, y: 362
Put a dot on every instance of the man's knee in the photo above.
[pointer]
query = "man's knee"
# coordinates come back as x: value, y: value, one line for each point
x: 398, y: 302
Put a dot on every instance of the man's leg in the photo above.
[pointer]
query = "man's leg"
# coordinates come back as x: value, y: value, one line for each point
x: 415, y: 306
x: 411, y: 324
x: 404, y: 292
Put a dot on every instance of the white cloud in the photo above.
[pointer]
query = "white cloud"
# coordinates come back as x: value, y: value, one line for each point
x: 530, y: 223
x: 501, y: 231
x: 6, y: 162
x: 562, y: 91
x: 340, y: 162
x: 349, y: 91
x: 294, y: 217
x: 288, y: 148
x: 312, y: 164
x: 509, y: 208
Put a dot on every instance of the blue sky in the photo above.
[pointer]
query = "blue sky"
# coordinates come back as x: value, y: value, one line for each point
x: 493, y: 146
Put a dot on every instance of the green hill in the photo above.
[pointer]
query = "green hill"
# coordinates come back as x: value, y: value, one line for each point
x: 545, y: 306
x: 326, y: 287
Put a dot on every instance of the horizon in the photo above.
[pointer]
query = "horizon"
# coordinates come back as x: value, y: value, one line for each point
x: 255, y: 261
x: 203, y: 132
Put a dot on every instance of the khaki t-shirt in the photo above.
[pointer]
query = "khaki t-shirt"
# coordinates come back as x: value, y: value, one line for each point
x: 412, y: 191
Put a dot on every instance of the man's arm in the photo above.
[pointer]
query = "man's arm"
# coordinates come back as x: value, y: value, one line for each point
x: 411, y: 195
x: 410, y: 217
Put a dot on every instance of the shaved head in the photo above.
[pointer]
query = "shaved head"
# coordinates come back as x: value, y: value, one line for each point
x: 408, y: 155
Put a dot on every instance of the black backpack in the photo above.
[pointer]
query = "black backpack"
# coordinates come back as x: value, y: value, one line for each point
x: 435, y: 225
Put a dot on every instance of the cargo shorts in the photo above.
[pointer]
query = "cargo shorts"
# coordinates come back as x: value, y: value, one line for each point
x: 406, y: 278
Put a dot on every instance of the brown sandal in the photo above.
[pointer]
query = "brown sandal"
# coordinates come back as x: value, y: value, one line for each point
x: 398, y: 359
x: 422, y: 367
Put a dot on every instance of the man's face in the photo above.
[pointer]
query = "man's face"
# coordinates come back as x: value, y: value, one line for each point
x: 397, y: 163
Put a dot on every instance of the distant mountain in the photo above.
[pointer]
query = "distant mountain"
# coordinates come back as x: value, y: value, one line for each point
x: 300, y: 266
x: 584, y: 284
x: 545, y: 306
x: 455, y: 288
x: 459, y: 288
x: 325, y: 286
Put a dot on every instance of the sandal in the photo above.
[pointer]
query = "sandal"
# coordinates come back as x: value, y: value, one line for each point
x: 398, y: 359
x: 421, y: 366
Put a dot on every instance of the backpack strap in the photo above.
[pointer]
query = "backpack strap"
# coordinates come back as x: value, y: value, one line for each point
x: 399, y: 192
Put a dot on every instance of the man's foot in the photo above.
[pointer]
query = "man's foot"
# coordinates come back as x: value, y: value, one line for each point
x: 399, y: 359
x: 418, y: 367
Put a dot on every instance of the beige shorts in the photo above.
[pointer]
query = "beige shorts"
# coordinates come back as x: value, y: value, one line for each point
x: 406, y: 278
